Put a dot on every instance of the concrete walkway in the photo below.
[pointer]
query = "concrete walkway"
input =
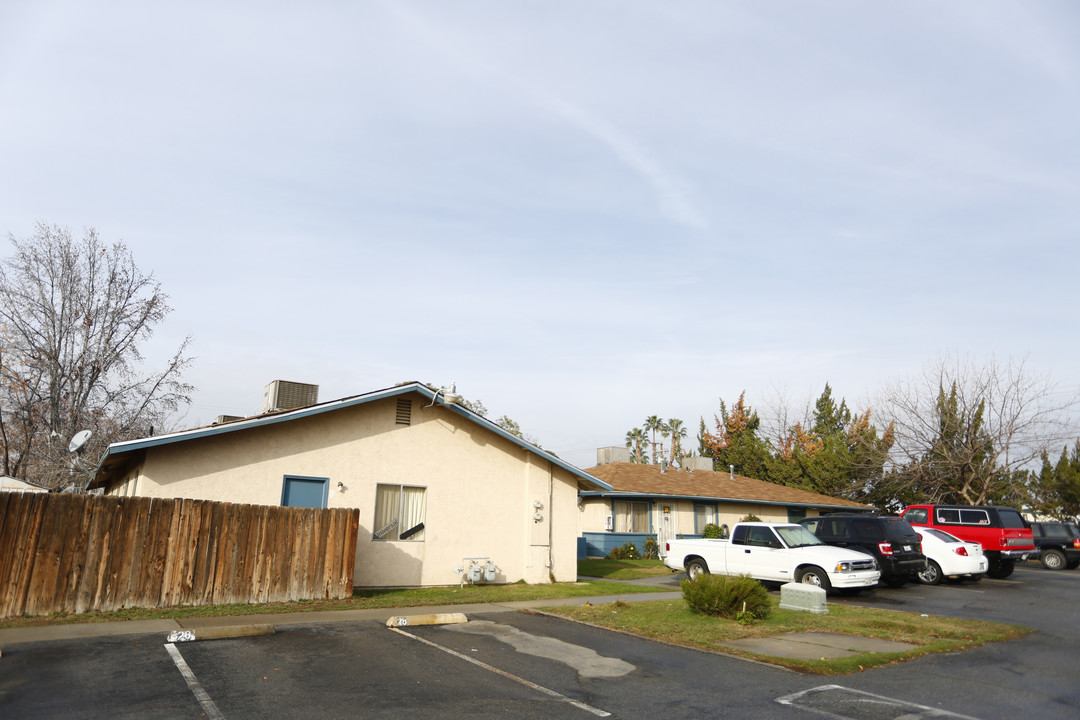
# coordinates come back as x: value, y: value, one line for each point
x: 803, y: 645
x: 242, y: 624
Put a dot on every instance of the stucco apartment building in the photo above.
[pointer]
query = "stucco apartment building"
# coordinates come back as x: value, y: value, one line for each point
x: 440, y: 489
x: 667, y: 502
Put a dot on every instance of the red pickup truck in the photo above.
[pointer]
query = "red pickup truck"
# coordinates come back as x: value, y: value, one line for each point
x: 1001, y: 531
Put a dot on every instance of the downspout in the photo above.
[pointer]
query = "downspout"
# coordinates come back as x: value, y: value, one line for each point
x: 551, y: 521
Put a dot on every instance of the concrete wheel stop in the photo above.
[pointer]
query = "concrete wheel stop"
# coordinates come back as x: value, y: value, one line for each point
x: 399, y: 621
x: 219, y: 633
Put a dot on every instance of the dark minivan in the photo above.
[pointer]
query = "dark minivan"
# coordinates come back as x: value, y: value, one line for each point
x: 893, y: 543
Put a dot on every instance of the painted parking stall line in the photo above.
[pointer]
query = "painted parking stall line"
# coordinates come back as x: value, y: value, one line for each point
x: 841, y: 703
x: 193, y: 683
x: 540, y: 688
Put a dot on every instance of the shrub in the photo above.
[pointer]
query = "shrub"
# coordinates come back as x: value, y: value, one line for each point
x: 628, y: 551
x: 652, y: 549
x: 712, y: 530
x: 751, y: 518
x: 735, y: 597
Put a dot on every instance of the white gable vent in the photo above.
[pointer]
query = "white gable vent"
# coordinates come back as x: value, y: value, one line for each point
x: 286, y: 395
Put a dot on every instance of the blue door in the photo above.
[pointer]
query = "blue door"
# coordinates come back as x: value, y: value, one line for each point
x: 304, y: 492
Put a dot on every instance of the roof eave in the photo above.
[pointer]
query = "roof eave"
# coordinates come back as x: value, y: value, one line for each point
x: 436, y: 397
x: 717, y: 498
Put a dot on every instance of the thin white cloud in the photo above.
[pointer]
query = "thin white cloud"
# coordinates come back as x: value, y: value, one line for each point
x: 672, y: 197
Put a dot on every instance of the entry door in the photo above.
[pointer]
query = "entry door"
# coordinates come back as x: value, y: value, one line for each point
x: 304, y: 492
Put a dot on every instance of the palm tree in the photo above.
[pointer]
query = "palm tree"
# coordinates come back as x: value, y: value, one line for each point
x: 636, y: 439
x: 677, y: 431
x: 653, y: 424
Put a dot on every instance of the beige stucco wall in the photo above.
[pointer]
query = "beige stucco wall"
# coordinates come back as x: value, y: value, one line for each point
x: 481, y: 488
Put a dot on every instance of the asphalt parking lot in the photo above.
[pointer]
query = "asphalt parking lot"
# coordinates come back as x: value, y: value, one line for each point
x: 527, y: 665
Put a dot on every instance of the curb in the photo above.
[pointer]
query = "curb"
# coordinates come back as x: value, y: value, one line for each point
x: 433, y: 619
x: 219, y: 633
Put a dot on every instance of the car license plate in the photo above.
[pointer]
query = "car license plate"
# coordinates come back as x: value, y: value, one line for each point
x: 907, y: 548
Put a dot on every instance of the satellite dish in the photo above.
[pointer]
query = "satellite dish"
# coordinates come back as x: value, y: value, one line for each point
x: 79, y: 441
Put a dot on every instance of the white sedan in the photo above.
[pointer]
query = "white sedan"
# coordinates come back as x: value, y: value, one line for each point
x: 947, y: 556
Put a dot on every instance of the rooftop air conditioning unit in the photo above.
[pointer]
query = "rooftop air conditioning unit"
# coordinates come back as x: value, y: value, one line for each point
x: 285, y: 395
x: 696, y: 463
x: 227, y: 419
x: 614, y: 454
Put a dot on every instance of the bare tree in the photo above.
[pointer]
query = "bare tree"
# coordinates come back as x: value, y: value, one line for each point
x: 963, y: 431
x: 779, y: 415
x: 75, y: 315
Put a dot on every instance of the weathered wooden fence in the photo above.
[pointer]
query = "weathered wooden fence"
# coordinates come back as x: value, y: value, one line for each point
x: 80, y: 553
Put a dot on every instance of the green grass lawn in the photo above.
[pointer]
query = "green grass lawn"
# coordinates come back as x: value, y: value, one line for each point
x: 672, y: 621
x: 622, y: 569
x: 669, y: 621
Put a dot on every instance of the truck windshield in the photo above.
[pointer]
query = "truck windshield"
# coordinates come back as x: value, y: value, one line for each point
x: 797, y: 536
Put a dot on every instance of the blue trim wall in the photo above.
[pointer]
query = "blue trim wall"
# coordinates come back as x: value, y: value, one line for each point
x: 599, y: 544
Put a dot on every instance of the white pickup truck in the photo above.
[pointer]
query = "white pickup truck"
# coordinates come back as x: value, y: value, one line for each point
x: 774, y: 552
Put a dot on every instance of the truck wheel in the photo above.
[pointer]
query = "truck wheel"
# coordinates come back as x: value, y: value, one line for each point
x: 1000, y: 569
x: 1052, y: 559
x: 813, y: 576
x: 695, y: 568
x: 931, y: 575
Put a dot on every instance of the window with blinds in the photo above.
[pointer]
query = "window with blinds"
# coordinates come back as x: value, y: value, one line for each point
x: 399, y: 512
x: 632, y: 517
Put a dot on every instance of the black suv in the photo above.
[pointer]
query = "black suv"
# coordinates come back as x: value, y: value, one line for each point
x: 892, y: 542
x: 1058, y: 544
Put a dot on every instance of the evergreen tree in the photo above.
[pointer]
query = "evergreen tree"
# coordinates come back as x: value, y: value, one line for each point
x: 737, y: 443
x: 830, y: 419
x: 703, y: 448
x: 842, y: 455
x: 1056, y: 490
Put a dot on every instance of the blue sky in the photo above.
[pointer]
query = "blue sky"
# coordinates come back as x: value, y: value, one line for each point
x: 584, y: 213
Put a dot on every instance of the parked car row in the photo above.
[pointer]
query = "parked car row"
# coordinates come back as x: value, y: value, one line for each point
x: 890, y: 540
x: 1001, y: 531
x: 949, y: 557
x: 932, y: 543
x: 926, y: 543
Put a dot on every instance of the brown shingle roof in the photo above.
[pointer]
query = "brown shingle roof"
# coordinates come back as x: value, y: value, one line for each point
x: 648, y: 480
